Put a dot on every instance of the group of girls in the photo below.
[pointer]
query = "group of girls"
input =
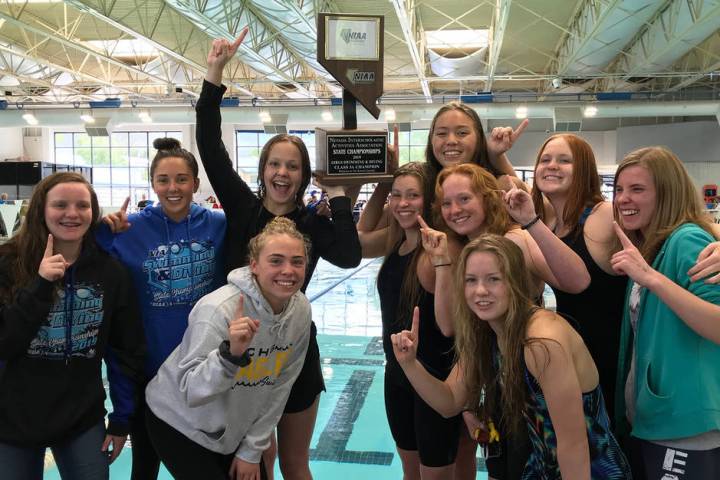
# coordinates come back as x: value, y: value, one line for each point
x: 467, y: 254
x: 224, y: 366
x: 636, y: 285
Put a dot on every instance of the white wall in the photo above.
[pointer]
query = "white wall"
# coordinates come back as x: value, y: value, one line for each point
x: 525, y: 150
x: 697, y: 144
x: 11, y: 143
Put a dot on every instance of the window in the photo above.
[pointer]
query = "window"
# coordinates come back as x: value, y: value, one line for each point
x: 121, y: 162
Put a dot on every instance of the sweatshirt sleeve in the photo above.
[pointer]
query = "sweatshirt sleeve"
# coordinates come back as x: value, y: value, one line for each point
x: 21, y: 319
x: 337, y: 241
x: 232, y: 191
x: 124, y: 356
x: 257, y: 439
x: 104, y: 237
x: 203, y: 374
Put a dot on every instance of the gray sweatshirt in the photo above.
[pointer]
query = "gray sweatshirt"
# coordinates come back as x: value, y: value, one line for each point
x: 223, y: 407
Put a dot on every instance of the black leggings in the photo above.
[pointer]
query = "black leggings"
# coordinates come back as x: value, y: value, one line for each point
x: 145, y: 460
x: 185, y: 459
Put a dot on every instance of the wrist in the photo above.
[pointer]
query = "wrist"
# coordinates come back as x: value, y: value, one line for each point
x: 441, y: 261
x: 241, y: 360
x: 526, y: 226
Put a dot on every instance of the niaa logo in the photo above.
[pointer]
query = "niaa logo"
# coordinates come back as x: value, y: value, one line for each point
x: 349, y: 36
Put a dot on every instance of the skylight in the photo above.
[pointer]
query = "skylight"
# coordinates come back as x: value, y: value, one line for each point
x: 457, y: 39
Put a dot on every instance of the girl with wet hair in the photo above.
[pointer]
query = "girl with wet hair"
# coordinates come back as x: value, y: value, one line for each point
x: 64, y: 307
x: 217, y: 398
x: 174, y: 251
x: 426, y: 442
x: 522, y: 360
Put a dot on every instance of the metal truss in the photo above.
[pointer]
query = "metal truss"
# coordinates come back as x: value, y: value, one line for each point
x: 671, y: 34
x: 264, y: 50
x: 502, y: 13
x: 413, y: 33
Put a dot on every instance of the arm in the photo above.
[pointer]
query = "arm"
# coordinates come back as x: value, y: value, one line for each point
x: 205, y: 374
x: 373, y: 243
x: 697, y: 304
x: 550, y: 361
x: 257, y: 438
x: 125, y: 358
x: 232, y: 191
x: 373, y: 216
x: 234, y: 194
x: 435, y: 268
x: 552, y: 260
x: 448, y: 398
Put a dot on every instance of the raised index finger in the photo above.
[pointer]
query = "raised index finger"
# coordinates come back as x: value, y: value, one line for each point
x: 415, y: 328
x: 125, y: 205
x: 520, y: 129
x: 49, y: 247
x: 396, y: 135
x: 624, y: 240
x: 422, y: 222
x: 239, y: 39
x: 240, y: 311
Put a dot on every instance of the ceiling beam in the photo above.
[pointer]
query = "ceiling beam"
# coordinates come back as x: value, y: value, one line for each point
x: 500, y: 19
x: 66, y: 43
x: 412, y: 33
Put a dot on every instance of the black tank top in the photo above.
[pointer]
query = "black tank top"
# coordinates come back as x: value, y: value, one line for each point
x: 435, y: 350
x: 596, y: 313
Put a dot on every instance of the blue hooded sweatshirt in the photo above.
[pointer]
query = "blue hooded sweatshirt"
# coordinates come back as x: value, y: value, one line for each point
x: 173, y: 265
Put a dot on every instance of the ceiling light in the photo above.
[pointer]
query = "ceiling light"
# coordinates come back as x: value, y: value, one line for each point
x: 87, y: 118
x: 30, y: 119
x: 265, y: 117
x: 390, y: 115
x: 590, y: 111
x: 327, y: 116
x: 521, y: 112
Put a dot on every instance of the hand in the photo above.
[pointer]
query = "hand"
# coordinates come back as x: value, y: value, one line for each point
x: 331, y: 191
x: 242, y: 329
x: 519, y: 205
x: 118, y: 221
x: 323, y: 208
x: 501, y: 139
x: 434, y: 242
x: 394, y: 150
x: 405, y: 343
x: 118, y: 442
x: 222, y: 51
x: 708, y: 263
x: 630, y: 262
x: 242, y: 470
x: 52, y: 267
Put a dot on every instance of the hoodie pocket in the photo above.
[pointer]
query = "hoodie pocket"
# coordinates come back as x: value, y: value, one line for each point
x: 653, y: 396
